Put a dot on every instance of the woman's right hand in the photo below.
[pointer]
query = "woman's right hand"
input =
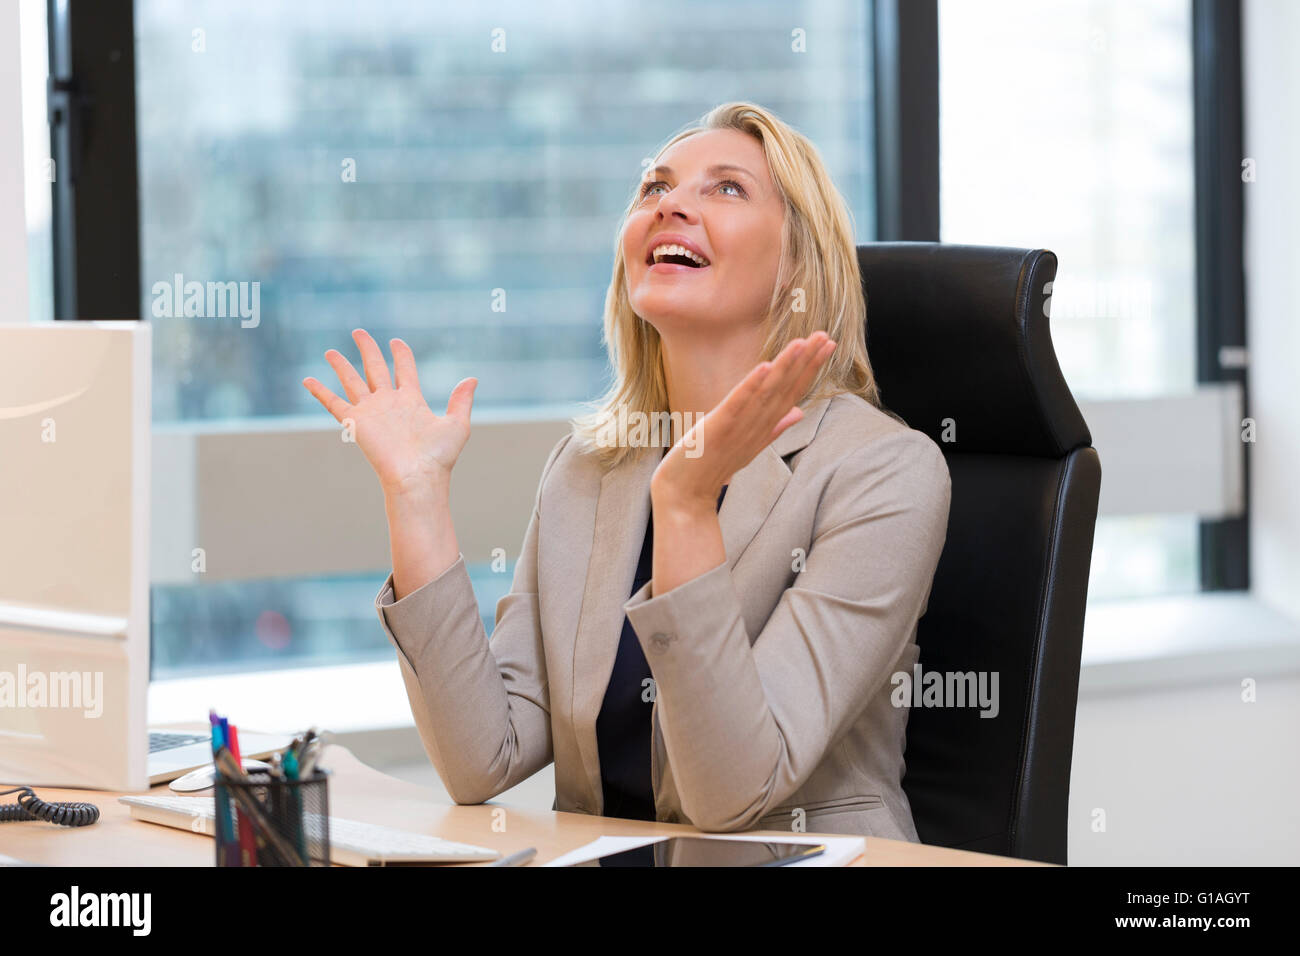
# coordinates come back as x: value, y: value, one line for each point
x: 411, y: 449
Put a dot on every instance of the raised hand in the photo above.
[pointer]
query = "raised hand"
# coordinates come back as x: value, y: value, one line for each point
x: 410, y: 448
x: 754, y: 413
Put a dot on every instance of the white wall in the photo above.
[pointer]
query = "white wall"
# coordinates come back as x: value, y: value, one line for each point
x: 13, y: 219
x: 1185, y: 776
x: 1271, y: 31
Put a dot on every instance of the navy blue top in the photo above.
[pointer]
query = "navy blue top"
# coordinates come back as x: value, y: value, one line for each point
x: 623, y: 731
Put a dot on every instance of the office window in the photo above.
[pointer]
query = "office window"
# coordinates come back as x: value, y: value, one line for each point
x: 1070, y: 126
x: 229, y: 626
x: 403, y: 167
x: 387, y: 168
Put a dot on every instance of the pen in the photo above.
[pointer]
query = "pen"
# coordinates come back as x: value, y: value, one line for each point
x: 308, y: 764
x: 247, y: 845
x: 275, y: 792
x: 295, y: 795
x: 224, y: 825
x: 516, y: 859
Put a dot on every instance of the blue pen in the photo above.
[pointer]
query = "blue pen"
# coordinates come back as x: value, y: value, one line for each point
x: 219, y: 821
x: 291, y: 773
x: 230, y: 845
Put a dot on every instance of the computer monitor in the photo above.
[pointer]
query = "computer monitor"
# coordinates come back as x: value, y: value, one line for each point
x: 74, y: 554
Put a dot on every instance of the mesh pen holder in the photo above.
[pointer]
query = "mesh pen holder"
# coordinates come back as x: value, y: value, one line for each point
x: 281, y: 822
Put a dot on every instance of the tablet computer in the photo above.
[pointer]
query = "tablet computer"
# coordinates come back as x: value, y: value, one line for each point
x: 703, y: 851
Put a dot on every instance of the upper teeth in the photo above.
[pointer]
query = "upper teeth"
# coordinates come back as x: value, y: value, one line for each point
x: 673, y: 250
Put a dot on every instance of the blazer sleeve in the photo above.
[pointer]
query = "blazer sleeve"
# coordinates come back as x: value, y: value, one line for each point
x: 745, y: 726
x: 482, y: 708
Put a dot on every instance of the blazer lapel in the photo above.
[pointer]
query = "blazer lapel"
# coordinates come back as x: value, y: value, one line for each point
x: 754, y: 490
x: 622, y: 511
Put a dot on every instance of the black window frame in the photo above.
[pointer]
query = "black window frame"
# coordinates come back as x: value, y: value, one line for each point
x: 91, y: 109
x: 1220, y: 256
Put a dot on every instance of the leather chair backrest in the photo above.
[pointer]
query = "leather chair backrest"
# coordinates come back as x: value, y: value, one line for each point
x: 959, y: 341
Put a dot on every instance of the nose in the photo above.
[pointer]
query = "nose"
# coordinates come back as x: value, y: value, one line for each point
x: 670, y: 204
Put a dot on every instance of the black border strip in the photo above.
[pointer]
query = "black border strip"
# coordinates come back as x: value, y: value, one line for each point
x: 905, y: 40
x: 95, y: 195
x: 1220, y: 268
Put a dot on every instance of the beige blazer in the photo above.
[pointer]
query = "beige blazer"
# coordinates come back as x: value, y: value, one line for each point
x: 771, y: 671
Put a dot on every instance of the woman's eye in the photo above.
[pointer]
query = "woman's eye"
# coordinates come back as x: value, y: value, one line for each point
x: 650, y: 187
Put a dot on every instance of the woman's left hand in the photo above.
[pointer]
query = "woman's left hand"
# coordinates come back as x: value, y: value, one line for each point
x: 749, y: 419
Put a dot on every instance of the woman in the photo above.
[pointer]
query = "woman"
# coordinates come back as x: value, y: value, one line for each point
x: 796, y: 527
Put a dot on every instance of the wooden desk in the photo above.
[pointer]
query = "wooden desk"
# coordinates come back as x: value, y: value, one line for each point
x: 359, y: 792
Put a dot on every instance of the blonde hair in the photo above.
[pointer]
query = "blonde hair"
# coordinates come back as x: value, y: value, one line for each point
x: 818, y: 262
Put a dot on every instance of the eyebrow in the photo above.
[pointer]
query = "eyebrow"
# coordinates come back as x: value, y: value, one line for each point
x: 712, y: 170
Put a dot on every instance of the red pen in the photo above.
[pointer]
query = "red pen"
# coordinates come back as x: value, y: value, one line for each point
x: 247, y: 844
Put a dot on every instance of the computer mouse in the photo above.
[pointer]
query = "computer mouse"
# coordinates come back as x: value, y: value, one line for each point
x: 202, y: 778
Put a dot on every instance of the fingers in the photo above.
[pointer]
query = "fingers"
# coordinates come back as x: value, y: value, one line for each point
x: 353, y: 384
x: 792, y: 416
x: 372, y: 359
x: 462, y: 399
x: 773, y: 388
x: 807, y: 355
x: 817, y: 354
x: 333, y: 404
x: 404, y: 365
x: 790, y: 373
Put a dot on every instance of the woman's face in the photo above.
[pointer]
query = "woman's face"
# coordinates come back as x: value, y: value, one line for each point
x: 712, y: 193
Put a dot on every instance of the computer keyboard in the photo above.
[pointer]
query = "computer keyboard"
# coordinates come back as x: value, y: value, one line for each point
x: 352, y: 843
x: 166, y: 741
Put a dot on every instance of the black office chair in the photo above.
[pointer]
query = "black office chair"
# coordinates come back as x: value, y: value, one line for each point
x: 959, y: 341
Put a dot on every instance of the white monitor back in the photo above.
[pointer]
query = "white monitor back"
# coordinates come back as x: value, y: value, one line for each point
x: 74, y: 554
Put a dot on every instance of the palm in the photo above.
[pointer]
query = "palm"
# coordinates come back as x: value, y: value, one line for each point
x: 761, y: 406
x: 401, y: 435
x: 406, y: 443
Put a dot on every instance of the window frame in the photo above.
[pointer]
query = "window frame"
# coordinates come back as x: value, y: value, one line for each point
x: 91, y: 97
x: 906, y: 64
x: 1220, y: 257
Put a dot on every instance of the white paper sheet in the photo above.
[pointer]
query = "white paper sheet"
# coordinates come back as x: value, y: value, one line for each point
x: 840, y: 850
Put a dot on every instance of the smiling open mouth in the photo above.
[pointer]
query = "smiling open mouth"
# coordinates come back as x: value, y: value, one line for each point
x: 678, y: 256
